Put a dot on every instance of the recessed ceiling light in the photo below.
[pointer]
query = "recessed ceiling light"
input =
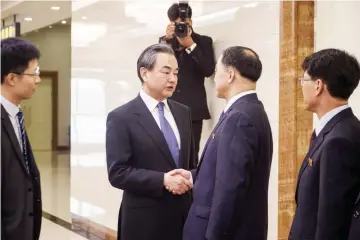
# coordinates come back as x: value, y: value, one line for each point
x: 84, y: 17
x: 56, y: 8
x: 28, y: 19
x: 63, y: 22
x: 50, y: 26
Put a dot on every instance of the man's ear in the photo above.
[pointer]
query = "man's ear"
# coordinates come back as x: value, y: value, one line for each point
x: 231, y: 75
x: 10, y: 79
x: 143, y: 73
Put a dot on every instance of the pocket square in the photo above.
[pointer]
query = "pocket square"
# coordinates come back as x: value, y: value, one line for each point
x: 213, y: 136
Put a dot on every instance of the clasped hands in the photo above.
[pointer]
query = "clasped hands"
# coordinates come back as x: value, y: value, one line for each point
x: 178, y: 181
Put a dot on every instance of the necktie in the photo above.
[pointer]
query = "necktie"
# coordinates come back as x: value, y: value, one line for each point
x: 20, y: 117
x: 168, y: 134
x: 313, y: 137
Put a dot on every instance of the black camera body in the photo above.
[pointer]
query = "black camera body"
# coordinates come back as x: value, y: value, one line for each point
x: 182, y: 28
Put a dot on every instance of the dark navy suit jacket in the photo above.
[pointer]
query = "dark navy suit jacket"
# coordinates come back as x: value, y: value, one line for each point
x: 329, y: 182
x: 231, y: 184
x: 355, y: 225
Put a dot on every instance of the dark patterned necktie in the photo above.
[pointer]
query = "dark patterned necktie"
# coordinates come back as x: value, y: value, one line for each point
x: 312, y: 139
x: 20, y: 116
x: 169, y: 134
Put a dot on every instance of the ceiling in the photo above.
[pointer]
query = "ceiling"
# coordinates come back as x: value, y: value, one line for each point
x: 40, y: 13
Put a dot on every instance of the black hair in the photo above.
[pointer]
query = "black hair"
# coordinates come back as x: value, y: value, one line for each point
x: 339, y: 71
x: 173, y: 12
x: 16, y: 55
x: 245, y: 60
x: 147, y: 58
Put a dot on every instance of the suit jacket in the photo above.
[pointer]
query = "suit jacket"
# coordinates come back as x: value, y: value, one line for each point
x: 21, y: 208
x: 329, y: 182
x: 193, y: 68
x: 231, y: 186
x: 137, y: 158
x: 355, y: 224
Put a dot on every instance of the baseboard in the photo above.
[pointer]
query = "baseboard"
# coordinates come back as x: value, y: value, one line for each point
x: 84, y: 227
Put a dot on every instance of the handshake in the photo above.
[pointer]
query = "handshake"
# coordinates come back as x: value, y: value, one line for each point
x: 178, y: 181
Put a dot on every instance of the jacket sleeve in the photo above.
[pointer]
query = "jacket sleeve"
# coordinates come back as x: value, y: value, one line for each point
x: 237, y: 149
x: 203, y: 56
x: 339, y: 176
x: 119, y: 154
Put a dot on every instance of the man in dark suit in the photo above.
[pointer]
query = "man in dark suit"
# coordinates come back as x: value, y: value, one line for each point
x: 355, y: 225
x: 231, y: 186
x: 329, y: 178
x: 195, y: 56
x: 146, y: 139
x: 21, y: 209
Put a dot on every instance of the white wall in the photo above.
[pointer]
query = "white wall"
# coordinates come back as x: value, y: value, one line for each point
x: 55, y: 47
x: 337, y: 26
x: 107, y: 38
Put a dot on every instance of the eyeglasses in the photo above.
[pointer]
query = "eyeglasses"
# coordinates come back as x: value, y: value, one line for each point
x: 36, y: 74
x: 302, y: 80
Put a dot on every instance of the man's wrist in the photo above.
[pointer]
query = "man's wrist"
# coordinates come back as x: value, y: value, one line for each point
x: 191, y: 48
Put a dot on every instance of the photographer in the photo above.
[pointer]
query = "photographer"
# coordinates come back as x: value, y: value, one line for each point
x: 195, y: 56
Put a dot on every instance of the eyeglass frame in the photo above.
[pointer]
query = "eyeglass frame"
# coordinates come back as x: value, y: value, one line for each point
x: 302, y: 80
x: 37, y: 74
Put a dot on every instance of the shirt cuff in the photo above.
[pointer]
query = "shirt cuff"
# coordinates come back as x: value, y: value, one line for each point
x: 191, y: 48
x: 191, y: 179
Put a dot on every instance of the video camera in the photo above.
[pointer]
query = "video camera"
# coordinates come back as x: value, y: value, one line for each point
x: 182, y: 28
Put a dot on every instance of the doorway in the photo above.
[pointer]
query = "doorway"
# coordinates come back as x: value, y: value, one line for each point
x: 40, y: 113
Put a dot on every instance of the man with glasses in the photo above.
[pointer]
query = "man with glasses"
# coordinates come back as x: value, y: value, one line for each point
x: 21, y: 209
x: 329, y: 178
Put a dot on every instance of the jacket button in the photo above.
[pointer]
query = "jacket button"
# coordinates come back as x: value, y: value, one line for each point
x: 356, y: 214
x: 29, y: 189
x: 31, y: 214
x: 38, y: 200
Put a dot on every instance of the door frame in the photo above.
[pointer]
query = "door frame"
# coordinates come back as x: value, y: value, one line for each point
x: 53, y: 75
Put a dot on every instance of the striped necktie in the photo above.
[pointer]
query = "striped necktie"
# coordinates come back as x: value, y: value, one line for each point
x: 20, y: 117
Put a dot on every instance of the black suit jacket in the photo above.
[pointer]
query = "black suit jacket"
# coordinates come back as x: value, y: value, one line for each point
x: 21, y: 209
x: 355, y: 224
x: 231, y: 186
x: 137, y: 158
x: 329, y: 182
x: 194, y: 67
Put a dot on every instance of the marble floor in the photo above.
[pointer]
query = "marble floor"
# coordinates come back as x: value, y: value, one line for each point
x: 53, y: 231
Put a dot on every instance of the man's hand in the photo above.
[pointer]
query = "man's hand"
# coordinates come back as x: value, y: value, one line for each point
x: 170, y: 31
x: 177, y: 181
x: 184, y: 173
x: 186, y: 41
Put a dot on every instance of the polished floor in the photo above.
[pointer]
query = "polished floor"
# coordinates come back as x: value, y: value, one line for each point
x: 53, y: 231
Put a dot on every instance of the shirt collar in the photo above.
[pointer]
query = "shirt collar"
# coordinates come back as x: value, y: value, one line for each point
x: 327, y: 117
x: 10, y: 108
x: 235, y: 98
x: 152, y: 103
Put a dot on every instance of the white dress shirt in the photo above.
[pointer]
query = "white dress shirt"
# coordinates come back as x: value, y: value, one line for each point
x: 327, y: 117
x: 151, y: 104
x: 235, y: 98
x: 13, y: 110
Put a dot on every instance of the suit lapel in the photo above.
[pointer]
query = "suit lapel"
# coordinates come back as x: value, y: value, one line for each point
x: 146, y: 120
x: 9, y: 129
x: 357, y: 200
x: 182, y: 132
x: 210, y: 138
x: 319, y: 140
x: 246, y: 98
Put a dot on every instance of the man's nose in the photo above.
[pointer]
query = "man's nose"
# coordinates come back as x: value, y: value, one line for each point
x: 38, y: 80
